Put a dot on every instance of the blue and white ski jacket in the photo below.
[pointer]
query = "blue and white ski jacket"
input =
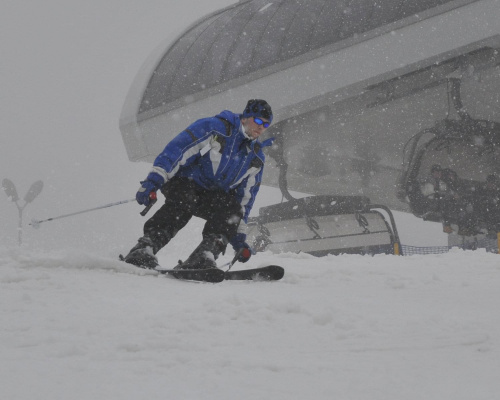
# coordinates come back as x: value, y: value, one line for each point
x: 216, y: 154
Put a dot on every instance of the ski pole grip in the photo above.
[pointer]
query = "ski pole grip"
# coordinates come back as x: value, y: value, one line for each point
x: 152, y: 201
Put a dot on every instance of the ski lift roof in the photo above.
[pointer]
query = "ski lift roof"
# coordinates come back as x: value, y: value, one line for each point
x: 298, y: 55
x: 252, y: 35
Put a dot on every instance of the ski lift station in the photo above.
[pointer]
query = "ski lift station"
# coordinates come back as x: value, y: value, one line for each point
x: 367, y: 96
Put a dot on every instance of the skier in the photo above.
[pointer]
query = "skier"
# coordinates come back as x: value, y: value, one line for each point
x: 211, y: 170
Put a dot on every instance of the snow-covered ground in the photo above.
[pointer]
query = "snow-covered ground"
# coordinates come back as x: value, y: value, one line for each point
x: 80, y: 326
x: 77, y: 324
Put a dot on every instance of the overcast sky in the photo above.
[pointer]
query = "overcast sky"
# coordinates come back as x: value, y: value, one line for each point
x: 66, y: 67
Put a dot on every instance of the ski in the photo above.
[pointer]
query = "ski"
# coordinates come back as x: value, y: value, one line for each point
x: 267, y: 273
x: 212, y: 275
x: 216, y: 275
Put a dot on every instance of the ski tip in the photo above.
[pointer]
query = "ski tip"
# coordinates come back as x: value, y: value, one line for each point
x: 276, y: 271
x: 267, y: 273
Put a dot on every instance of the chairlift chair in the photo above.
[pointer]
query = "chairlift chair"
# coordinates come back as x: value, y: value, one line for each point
x: 467, y: 146
x: 322, y: 224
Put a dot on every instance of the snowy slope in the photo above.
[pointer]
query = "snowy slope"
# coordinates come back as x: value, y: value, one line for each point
x: 80, y: 326
x: 77, y: 324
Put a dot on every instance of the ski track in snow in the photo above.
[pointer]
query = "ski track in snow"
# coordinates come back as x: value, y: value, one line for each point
x: 80, y: 326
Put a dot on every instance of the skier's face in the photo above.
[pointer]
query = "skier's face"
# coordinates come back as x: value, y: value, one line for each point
x: 253, y: 129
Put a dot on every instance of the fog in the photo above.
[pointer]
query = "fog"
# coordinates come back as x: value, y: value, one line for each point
x: 66, y: 67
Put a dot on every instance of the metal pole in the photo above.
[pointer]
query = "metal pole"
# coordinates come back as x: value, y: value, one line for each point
x: 11, y: 192
x: 20, y: 225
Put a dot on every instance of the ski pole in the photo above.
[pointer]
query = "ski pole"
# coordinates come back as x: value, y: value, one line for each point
x: 36, y: 223
x: 233, y: 261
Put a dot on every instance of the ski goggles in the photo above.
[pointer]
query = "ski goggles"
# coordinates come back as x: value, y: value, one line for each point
x: 259, y: 121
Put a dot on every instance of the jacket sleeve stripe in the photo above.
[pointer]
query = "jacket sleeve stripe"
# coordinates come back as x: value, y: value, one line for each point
x: 250, y: 190
x: 161, y: 172
x: 186, y: 153
x: 168, y: 171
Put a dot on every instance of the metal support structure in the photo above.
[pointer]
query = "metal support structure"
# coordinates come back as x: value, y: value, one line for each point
x: 11, y: 192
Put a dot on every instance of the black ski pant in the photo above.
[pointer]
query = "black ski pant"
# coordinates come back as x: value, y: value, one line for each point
x: 184, y: 199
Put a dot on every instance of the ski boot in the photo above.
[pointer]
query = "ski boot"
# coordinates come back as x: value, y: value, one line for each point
x: 142, y: 254
x: 204, y: 256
